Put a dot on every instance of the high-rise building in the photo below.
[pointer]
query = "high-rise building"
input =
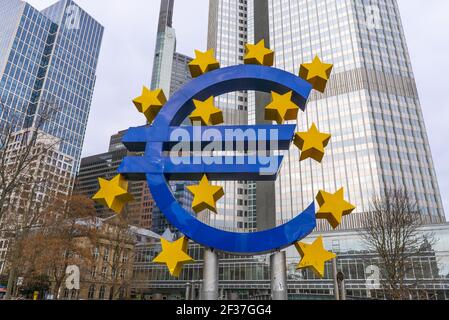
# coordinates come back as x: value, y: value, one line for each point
x: 228, y: 34
x: 48, y: 62
x: 170, y: 73
x: 371, y: 105
x: 49, y: 57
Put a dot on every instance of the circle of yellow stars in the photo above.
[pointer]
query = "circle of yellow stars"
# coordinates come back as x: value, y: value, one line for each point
x: 312, y: 144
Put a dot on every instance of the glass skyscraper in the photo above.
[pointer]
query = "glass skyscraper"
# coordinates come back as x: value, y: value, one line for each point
x: 371, y: 105
x: 170, y: 73
x: 49, y: 58
x: 228, y: 34
x: 170, y: 70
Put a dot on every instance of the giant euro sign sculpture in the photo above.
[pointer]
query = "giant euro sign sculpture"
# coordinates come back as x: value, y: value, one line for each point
x: 164, y: 141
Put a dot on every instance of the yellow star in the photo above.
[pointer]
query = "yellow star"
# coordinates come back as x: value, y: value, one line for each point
x: 281, y: 108
x: 113, y: 194
x: 150, y: 103
x: 314, y: 256
x: 205, y: 195
x: 333, y: 207
x: 312, y: 143
x: 174, y: 255
x: 316, y: 73
x: 204, y: 62
x: 258, y: 54
x: 206, y: 113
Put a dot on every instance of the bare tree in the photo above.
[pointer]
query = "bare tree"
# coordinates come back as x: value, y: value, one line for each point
x: 60, y: 240
x: 21, y: 145
x: 24, y: 147
x: 392, y: 231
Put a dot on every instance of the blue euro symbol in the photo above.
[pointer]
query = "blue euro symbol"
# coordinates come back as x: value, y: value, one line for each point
x: 157, y: 168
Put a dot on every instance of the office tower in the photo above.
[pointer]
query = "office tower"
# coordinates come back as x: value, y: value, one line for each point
x: 170, y: 73
x: 228, y: 34
x: 105, y: 166
x: 170, y: 70
x: 371, y: 105
x: 49, y: 58
x: 179, y: 72
x: 48, y: 61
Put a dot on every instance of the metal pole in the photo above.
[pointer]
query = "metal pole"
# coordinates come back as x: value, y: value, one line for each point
x: 278, y: 276
x: 188, y: 291
x: 210, y: 275
x: 192, y: 291
x: 341, y: 285
x: 334, y: 273
x: 200, y: 291
x: 343, y: 289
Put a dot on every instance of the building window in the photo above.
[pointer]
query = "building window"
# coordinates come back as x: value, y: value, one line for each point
x: 106, y: 254
x: 96, y: 253
x: 91, y: 293
x: 104, y: 272
x: 101, y: 293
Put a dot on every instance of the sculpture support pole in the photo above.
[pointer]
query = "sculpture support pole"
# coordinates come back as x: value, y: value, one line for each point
x: 278, y: 276
x: 265, y: 191
x: 188, y: 291
x: 336, y: 286
x: 210, y: 275
x: 192, y: 291
x: 343, y: 289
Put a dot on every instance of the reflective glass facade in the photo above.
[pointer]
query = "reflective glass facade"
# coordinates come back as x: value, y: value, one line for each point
x: 170, y: 73
x: 228, y: 34
x: 371, y: 106
x: 50, y: 60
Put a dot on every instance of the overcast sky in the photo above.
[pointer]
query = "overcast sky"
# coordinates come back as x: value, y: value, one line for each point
x: 128, y: 47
